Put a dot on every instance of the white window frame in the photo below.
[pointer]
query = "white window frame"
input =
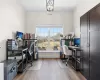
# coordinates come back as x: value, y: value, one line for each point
x: 49, y: 26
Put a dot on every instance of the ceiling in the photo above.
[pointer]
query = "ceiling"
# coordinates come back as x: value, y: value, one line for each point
x: 40, y: 5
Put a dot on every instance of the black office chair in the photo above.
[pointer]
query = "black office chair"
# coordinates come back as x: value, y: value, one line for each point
x: 30, y: 53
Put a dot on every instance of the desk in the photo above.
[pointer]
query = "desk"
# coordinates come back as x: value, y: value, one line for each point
x: 74, y: 47
x: 20, y: 55
x: 76, y: 57
x: 14, y: 54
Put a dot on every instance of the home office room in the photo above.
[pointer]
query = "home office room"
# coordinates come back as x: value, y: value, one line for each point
x: 49, y: 39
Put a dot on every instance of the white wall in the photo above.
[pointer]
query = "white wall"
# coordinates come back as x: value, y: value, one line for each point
x: 83, y: 7
x: 12, y: 19
x: 57, y: 18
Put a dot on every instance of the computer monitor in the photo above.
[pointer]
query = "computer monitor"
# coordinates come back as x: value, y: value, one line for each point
x: 77, y: 41
x: 19, y: 35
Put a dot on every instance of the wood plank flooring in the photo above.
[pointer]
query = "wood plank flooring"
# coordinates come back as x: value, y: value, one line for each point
x: 50, y: 70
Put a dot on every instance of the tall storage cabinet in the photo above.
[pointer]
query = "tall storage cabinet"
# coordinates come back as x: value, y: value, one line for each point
x: 85, y: 45
x: 94, y: 32
x: 90, y: 43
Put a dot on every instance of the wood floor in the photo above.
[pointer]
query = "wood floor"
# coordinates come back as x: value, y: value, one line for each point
x: 51, y: 70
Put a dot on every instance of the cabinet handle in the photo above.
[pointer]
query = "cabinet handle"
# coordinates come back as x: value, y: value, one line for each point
x: 88, y: 45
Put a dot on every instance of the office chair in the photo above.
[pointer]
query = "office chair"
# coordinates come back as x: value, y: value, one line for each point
x: 67, y: 53
x: 30, y: 53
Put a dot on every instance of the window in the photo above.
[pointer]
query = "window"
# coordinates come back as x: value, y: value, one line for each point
x: 49, y: 38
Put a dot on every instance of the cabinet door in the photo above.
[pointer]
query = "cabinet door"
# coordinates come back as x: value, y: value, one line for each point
x: 95, y: 44
x: 95, y: 55
x: 84, y: 46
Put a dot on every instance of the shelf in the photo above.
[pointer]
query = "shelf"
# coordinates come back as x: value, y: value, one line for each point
x: 66, y: 39
x: 15, y: 50
x: 19, y: 49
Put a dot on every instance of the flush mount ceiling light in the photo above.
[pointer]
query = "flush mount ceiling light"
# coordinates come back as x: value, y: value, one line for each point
x: 50, y: 5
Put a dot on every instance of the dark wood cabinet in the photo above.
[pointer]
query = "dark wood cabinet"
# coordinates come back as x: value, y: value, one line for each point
x: 94, y: 43
x: 85, y: 45
x: 90, y: 43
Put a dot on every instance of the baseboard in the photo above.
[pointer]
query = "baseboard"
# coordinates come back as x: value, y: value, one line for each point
x: 49, y: 55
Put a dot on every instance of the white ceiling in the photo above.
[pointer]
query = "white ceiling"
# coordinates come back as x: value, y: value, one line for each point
x: 40, y: 5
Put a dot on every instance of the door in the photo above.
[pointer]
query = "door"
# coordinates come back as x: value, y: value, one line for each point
x: 85, y: 45
x: 95, y: 44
